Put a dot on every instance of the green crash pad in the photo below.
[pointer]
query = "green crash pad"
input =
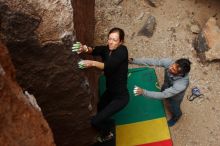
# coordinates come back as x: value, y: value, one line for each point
x: 139, y: 108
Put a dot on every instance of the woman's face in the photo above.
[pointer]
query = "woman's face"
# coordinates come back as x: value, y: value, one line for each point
x: 113, y: 41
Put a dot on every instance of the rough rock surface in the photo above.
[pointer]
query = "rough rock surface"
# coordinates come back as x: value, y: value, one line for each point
x: 153, y: 3
x: 207, y: 43
x: 39, y: 35
x: 148, y: 28
x: 21, y: 123
x: 40, y: 17
x: 212, y: 35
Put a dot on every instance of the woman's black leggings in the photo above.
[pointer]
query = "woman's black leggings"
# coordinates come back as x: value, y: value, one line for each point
x: 108, y: 105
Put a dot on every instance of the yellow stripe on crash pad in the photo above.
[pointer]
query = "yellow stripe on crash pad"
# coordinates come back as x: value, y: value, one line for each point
x: 142, y: 132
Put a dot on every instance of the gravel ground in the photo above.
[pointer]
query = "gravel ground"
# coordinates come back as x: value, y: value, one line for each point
x: 173, y: 37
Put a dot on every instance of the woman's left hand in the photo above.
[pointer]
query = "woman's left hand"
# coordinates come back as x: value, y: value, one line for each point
x: 87, y: 63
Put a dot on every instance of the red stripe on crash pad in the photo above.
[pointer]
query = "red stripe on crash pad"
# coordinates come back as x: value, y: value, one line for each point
x: 159, y: 143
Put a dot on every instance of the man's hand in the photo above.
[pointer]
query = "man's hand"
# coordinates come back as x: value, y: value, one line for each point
x: 130, y: 60
x: 138, y: 91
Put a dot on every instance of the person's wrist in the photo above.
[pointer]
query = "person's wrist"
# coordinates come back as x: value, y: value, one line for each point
x: 93, y: 63
x: 85, y: 48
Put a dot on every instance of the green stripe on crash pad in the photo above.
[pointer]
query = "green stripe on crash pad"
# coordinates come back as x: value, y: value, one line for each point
x: 139, y: 108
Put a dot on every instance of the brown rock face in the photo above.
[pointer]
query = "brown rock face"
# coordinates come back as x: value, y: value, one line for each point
x: 207, y: 43
x: 45, y: 65
x: 212, y: 35
x: 21, y: 123
x: 39, y: 17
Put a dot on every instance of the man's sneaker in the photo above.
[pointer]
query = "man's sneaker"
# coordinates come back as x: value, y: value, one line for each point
x: 105, y: 137
x: 172, y: 121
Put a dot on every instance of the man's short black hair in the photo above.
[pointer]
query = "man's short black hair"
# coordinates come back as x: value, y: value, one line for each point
x: 184, y: 64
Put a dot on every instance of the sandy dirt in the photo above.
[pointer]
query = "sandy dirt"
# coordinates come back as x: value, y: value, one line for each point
x: 200, y: 123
